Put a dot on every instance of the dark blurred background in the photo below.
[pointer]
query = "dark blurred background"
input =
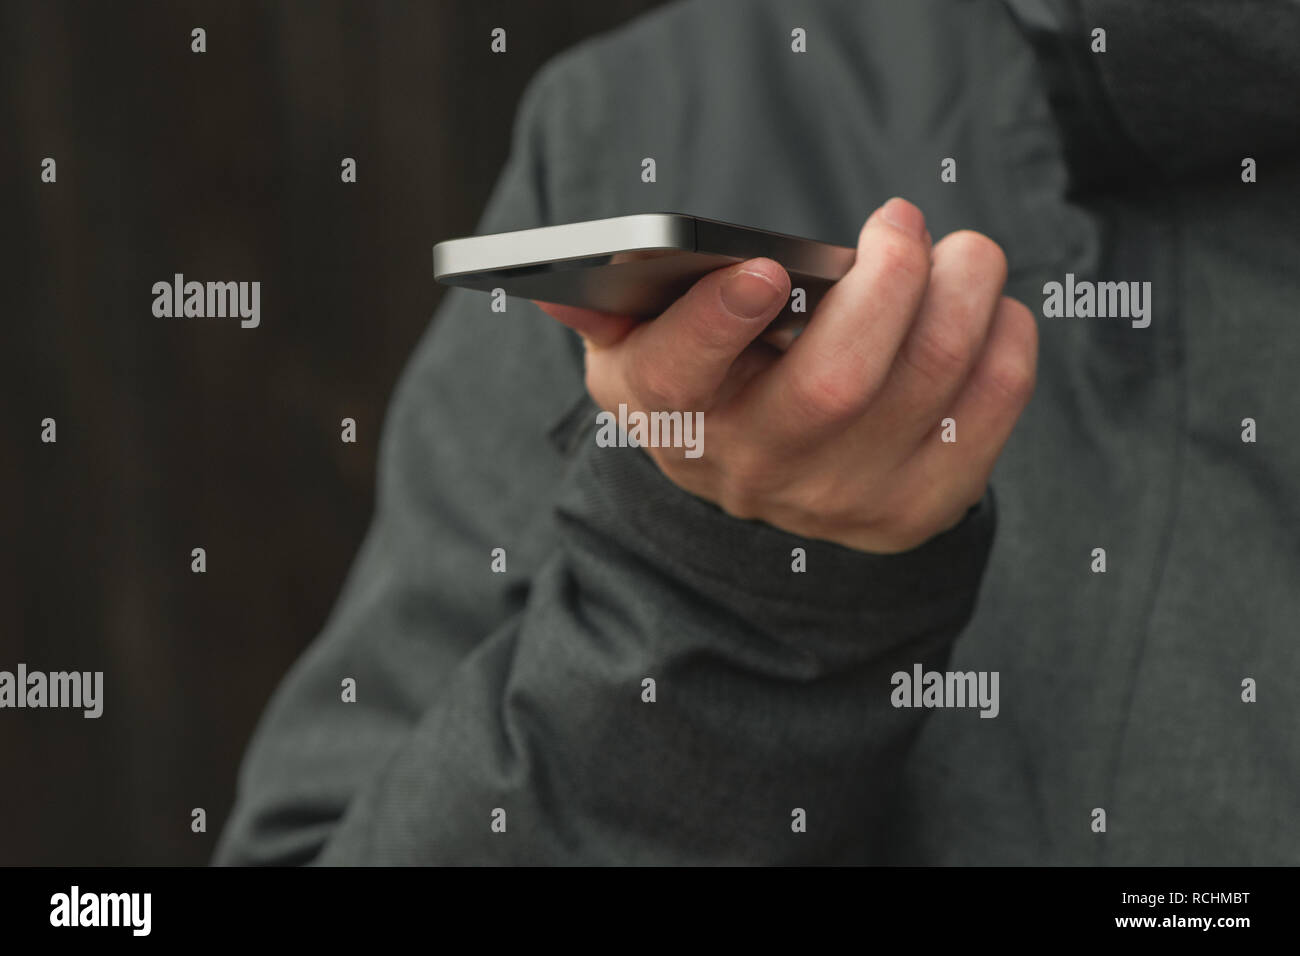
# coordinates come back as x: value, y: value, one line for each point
x: 174, y: 433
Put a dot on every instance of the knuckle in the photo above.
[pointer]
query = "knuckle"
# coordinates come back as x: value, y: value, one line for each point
x: 1027, y: 327
x: 900, y: 258
x: 979, y: 255
x: 1011, y: 376
x: 827, y: 396
x: 1013, y: 369
x: 941, y: 353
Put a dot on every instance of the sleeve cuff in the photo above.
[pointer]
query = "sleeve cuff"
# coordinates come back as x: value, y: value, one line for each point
x: 621, y: 493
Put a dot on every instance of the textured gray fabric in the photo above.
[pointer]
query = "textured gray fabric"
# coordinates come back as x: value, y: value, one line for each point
x: 1120, y: 690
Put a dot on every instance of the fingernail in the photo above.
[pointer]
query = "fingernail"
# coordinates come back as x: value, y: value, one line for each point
x: 749, y: 295
x: 905, y: 217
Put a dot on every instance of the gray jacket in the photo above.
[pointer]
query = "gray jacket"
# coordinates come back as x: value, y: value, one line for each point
x: 1162, y: 691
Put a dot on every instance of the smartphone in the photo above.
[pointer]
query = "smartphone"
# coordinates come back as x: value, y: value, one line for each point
x: 631, y: 265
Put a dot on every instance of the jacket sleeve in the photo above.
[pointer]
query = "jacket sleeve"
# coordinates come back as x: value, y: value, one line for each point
x: 648, y: 680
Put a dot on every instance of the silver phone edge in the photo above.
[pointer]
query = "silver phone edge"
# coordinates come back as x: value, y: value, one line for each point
x: 577, y: 240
